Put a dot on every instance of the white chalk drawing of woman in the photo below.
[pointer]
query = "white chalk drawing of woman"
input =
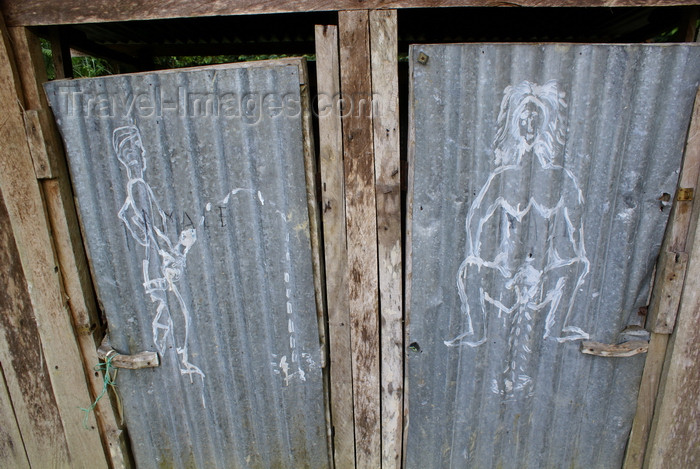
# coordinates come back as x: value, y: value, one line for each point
x: 164, y: 258
x: 525, y: 255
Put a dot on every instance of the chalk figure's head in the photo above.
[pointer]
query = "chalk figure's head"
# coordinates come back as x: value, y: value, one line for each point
x: 129, y: 147
x: 530, y: 118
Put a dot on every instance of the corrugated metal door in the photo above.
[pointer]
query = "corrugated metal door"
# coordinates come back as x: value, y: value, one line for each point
x: 542, y: 179
x: 192, y: 195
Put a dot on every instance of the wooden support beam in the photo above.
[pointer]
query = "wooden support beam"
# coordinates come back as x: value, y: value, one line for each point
x: 45, y: 144
x: 639, y: 436
x: 361, y: 223
x: 674, y: 440
x: 673, y: 258
x: 45, y: 12
x: 688, y: 30
x: 666, y: 296
x: 311, y: 173
x: 334, y: 238
x: 25, y: 372
x: 387, y: 168
x: 408, y: 250
x: 60, y: 53
x: 44, y: 140
x: 28, y: 220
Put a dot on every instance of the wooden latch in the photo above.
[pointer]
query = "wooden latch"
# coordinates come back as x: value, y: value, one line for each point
x: 625, y: 349
x: 131, y: 362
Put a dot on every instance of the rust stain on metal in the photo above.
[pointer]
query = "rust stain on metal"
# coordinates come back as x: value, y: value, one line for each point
x: 685, y: 194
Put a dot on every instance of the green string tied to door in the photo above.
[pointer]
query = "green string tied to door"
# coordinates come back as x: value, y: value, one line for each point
x: 110, y: 378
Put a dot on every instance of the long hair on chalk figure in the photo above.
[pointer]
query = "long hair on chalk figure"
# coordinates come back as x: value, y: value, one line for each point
x: 531, y: 118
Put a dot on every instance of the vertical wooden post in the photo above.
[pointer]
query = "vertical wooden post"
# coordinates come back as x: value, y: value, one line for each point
x: 671, y: 274
x: 30, y: 402
x: 385, y: 94
x: 60, y: 53
x: 334, y: 236
x: 361, y: 222
x: 674, y: 440
x: 42, y: 135
x: 25, y: 202
x: 47, y: 152
x: 27, y: 217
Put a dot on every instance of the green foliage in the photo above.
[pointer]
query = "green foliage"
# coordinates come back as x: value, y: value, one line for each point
x: 83, y: 67
x: 672, y: 35
x: 198, y: 61
x: 48, y: 58
x: 88, y: 67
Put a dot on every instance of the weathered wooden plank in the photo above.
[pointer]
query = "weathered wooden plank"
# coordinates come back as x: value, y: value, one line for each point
x: 671, y: 269
x: 666, y: 295
x: 40, y: 127
x: 46, y: 149
x: 636, y: 445
x: 680, y: 217
x: 27, y: 216
x: 311, y: 173
x: 24, y: 368
x: 672, y: 261
x: 60, y: 54
x: 688, y: 30
x: 674, y: 440
x: 45, y: 12
x: 12, y: 452
x: 387, y: 166
x: 361, y: 222
x: 334, y: 239
x: 668, y: 414
x: 408, y: 249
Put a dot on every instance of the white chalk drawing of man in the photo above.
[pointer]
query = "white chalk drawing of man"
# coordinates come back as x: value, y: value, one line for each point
x: 525, y: 255
x: 164, y: 258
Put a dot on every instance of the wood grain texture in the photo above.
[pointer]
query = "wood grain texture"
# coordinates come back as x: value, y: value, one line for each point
x: 28, y: 219
x: 387, y: 167
x: 334, y: 239
x: 361, y: 223
x: 46, y: 149
x: 12, y: 452
x: 672, y: 260
x: 134, y: 361
x: 408, y: 250
x: 670, y: 273
x: 311, y: 172
x: 639, y: 436
x: 60, y: 54
x: 674, y: 440
x: 23, y: 365
x: 625, y: 349
x: 666, y: 296
x: 679, y: 221
x: 45, y: 146
x: 46, y: 12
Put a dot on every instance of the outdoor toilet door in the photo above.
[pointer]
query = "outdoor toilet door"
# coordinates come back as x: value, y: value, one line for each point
x: 541, y: 180
x: 193, y: 193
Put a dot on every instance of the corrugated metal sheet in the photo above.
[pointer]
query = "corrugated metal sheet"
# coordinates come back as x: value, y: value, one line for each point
x: 192, y: 198
x: 543, y: 175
